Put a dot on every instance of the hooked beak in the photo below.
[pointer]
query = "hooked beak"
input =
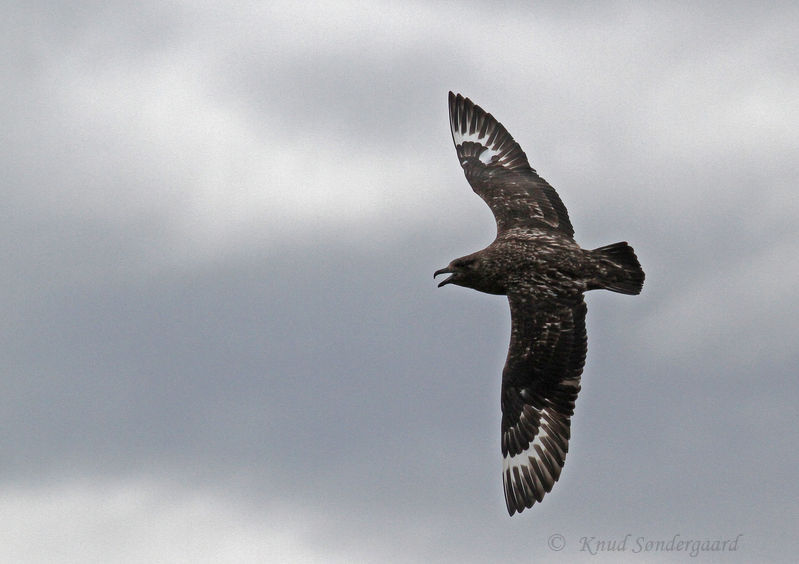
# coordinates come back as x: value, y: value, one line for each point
x: 447, y: 280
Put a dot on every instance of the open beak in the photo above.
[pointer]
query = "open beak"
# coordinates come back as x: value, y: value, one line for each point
x: 447, y: 280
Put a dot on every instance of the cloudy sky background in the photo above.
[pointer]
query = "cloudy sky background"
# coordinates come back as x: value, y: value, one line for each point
x: 221, y: 339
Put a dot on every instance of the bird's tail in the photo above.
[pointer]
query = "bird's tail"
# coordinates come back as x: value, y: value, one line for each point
x: 620, y: 270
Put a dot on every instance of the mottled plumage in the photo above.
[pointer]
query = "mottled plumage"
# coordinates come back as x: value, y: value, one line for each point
x: 535, y: 261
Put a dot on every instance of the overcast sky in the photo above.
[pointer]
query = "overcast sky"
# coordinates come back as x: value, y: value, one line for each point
x: 221, y: 339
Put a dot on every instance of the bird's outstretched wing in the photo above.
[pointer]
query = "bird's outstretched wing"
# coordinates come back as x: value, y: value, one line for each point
x: 497, y: 169
x: 540, y: 384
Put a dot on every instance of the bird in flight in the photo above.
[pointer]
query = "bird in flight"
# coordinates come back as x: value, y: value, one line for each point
x: 535, y: 261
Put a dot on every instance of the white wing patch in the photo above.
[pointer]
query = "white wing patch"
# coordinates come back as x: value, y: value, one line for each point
x: 532, y: 472
x: 488, y: 152
x: 462, y: 136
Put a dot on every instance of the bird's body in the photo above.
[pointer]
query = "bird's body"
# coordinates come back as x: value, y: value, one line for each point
x: 535, y: 261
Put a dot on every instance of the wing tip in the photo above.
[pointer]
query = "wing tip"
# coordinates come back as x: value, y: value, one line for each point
x: 477, y: 133
x: 525, y: 485
x: 534, y: 449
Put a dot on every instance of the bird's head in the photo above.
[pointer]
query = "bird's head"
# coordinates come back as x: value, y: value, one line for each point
x: 465, y: 271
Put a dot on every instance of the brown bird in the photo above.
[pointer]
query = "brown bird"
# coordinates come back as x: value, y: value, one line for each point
x: 535, y: 261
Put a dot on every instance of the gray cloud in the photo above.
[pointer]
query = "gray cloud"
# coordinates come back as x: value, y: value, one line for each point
x: 219, y: 236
